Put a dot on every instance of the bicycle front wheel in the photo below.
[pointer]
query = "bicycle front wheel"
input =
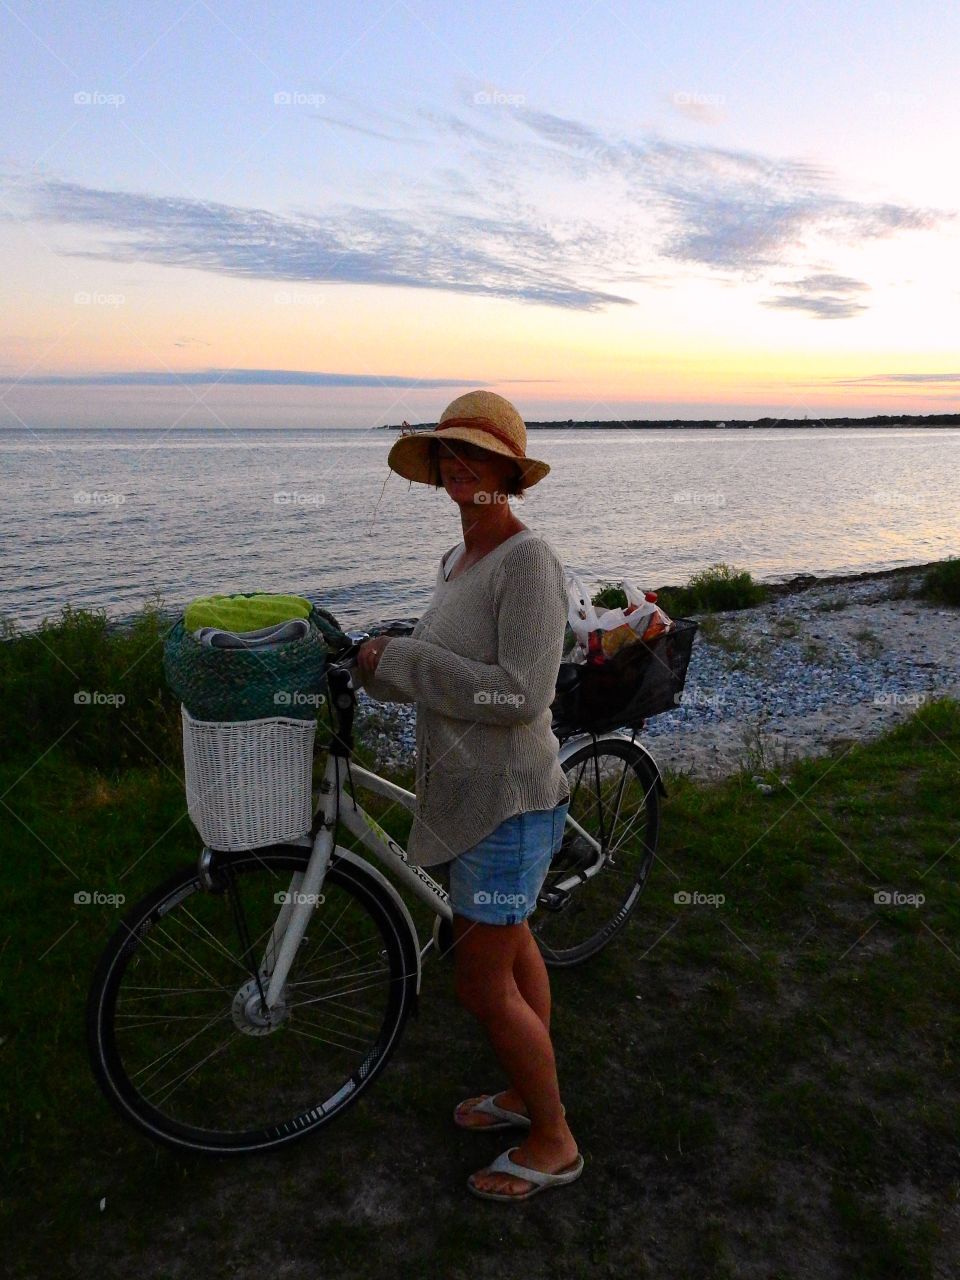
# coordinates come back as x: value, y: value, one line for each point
x: 180, y: 1041
x: 613, y: 823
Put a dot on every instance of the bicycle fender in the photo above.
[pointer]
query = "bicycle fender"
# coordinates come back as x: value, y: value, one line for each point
x: 576, y: 741
x: 368, y: 869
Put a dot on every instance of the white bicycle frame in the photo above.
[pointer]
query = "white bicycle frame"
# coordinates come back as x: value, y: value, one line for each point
x: 306, y: 887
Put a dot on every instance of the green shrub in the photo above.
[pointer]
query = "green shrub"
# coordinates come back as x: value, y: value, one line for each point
x: 716, y: 588
x: 942, y: 582
x: 610, y: 596
x: 65, y: 681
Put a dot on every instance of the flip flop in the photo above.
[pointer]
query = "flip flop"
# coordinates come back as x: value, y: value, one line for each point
x: 508, y: 1119
x: 541, y: 1180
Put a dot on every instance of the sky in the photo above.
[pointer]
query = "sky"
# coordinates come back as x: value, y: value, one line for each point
x: 232, y: 215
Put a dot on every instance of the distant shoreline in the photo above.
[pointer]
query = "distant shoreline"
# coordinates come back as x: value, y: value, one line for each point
x: 932, y: 420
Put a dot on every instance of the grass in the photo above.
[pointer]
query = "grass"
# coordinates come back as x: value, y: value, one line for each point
x: 790, y: 1062
x: 785, y: 1061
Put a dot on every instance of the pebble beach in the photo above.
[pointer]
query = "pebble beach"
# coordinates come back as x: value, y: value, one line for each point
x: 823, y: 662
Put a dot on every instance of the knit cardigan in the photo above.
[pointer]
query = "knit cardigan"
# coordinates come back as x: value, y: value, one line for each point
x: 481, y: 666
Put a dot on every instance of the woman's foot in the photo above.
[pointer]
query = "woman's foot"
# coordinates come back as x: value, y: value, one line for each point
x: 510, y: 1100
x: 552, y: 1156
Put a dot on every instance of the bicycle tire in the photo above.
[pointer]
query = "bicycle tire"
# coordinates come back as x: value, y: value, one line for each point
x: 142, y: 923
x: 588, y: 761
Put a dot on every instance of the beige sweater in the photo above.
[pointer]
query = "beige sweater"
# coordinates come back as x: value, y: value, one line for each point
x: 481, y: 666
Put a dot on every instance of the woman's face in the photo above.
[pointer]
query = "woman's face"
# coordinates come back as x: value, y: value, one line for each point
x: 467, y: 471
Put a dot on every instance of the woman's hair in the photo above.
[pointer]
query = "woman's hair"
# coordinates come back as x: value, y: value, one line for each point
x: 513, y: 486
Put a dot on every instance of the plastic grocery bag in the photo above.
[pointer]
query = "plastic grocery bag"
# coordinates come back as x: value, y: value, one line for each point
x: 600, y: 633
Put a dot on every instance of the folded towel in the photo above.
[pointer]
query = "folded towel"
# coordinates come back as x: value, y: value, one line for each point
x: 244, y: 613
x: 265, y: 638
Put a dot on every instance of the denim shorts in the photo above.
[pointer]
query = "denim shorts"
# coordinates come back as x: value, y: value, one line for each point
x: 497, y: 881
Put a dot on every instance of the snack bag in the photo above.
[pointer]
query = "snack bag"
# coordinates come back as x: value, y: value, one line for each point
x: 600, y: 632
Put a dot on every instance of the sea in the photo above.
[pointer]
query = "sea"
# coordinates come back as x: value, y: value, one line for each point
x: 114, y: 519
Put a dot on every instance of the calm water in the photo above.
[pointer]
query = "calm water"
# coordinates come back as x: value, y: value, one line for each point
x: 107, y: 518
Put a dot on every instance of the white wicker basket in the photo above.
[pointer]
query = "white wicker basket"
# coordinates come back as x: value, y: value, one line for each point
x: 248, y: 782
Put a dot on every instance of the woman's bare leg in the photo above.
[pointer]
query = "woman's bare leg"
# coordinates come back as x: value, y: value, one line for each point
x: 530, y: 975
x: 485, y: 958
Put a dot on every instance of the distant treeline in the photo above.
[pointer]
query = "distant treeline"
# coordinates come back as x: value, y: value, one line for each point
x: 876, y: 420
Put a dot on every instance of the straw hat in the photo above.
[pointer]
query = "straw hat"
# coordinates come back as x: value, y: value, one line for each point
x: 479, y: 417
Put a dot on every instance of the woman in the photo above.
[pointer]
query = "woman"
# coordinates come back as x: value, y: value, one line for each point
x: 481, y: 667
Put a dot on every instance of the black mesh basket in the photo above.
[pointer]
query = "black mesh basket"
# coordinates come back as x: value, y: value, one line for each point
x: 641, y: 680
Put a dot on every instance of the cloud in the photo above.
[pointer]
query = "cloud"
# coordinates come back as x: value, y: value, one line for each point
x: 894, y: 379
x: 728, y: 209
x: 429, y: 249
x: 638, y: 208
x: 823, y: 294
x: 239, y: 377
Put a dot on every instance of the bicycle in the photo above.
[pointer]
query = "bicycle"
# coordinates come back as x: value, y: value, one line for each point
x: 252, y: 997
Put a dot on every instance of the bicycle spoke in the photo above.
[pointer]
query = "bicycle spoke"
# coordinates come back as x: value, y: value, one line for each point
x: 205, y: 1055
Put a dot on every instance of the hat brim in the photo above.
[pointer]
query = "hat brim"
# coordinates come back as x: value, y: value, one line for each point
x: 410, y: 455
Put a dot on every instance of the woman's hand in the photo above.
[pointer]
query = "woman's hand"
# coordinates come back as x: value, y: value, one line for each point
x: 369, y: 654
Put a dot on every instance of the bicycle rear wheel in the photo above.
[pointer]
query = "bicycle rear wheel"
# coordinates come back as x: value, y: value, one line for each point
x: 177, y: 1035
x: 613, y: 821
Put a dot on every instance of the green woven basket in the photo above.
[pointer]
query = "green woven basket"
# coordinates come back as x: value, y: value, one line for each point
x: 249, y: 684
